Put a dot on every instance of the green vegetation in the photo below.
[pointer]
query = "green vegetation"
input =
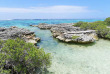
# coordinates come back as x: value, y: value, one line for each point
x: 99, y: 26
x: 75, y: 37
x: 78, y: 23
x: 19, y: 57
x: 107, y: 20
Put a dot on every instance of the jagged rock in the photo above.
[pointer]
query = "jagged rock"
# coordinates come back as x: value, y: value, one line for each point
x: 66, y: 31
x: 14, y: 32
x: 33, y: 25
x: 67, y: 34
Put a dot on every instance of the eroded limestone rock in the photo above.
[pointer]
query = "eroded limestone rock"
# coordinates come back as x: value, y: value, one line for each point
x: 66, y: 32
x: 15, y: 32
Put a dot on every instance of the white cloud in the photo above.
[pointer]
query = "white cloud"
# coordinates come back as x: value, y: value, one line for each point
x: 50, y: 9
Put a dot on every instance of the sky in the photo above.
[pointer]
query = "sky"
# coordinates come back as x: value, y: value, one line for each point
x: 54, y: 9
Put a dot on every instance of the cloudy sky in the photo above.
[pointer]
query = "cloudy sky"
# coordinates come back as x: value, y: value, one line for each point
x: 54, y: 9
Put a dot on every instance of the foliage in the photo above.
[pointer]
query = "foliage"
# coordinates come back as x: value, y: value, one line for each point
x: 78, y: 24
x: 75, y: 37
x: 99, y: 26
x: 108, y: 35
x: 22, y: 57
x: 94, y: 25
x: 107, y: 21
x: 85, y: 26
x: 102, y: 30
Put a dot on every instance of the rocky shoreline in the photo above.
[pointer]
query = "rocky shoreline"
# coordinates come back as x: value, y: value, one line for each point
x: 68, y: 33
x: 15, y: 32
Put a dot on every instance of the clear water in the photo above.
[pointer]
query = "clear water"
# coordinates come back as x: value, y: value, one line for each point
x: 69, y: 58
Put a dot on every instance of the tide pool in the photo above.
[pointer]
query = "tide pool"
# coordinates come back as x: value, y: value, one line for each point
x: 69, y: 58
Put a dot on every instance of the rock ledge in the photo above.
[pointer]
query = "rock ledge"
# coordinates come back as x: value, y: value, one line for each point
x: 69, y: 33
x: 15, y: 32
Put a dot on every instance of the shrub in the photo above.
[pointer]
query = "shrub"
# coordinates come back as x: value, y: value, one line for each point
x: 99, y: 26
x: 94, y: 25
x: 102, y: 30
x: 17, y: 56
x: 75, y: 37
x: 108, y: 35
x: 78, y: 24
x: 85, y: 26
x: 107, y: 21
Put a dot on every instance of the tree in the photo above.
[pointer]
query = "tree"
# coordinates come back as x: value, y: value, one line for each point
x: 21, y: 57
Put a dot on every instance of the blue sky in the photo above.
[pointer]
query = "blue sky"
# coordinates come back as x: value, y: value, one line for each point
x: 54, y: 9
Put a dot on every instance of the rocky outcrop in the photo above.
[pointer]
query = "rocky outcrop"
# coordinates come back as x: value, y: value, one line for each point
x: 33, y: 25
x: 69, y: 33
x: 14, y: 32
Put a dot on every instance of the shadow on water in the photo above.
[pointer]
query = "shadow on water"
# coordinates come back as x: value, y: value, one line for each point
x: 45, y: 71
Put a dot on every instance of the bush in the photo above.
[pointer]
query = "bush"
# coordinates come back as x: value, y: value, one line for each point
x: 78, y: 24
x: 75, y: 37
x: 94, y: 25
x: 85, y: 26
x: 82, y: 25
x: 17, y: 56
x: 108, y: 35
x: 99, y: 26
x: 102, y: 30
x: 107, y: 21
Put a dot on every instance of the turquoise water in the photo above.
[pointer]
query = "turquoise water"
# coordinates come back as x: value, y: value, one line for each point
x: 69, y: 58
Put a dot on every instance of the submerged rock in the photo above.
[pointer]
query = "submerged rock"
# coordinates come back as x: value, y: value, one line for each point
x: 15, y: 32
x: 69, y: 33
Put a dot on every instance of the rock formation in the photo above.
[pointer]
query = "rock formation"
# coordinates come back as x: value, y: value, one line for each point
x: 69, y: 33
x: 14, y: 32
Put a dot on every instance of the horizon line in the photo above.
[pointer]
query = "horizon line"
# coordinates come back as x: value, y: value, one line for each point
x: 57, y: 19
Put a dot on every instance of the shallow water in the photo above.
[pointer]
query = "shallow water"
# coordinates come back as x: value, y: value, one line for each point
x: 77, y: 58
x: 69, y: 58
